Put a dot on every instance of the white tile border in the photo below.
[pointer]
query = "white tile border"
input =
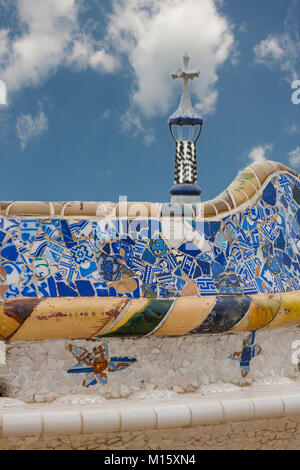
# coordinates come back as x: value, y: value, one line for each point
x: 118, y: 415
x: 95, y: 419
x: 62, y: 422
x: 22, y: 423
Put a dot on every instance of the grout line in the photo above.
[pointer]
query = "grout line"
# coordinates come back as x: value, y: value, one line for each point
x: 42, y: 424
x: 120, y: 419
x: 156, y: 418
x: 254, y: 408
x: 223, y: 419
x: 82, y: 422
x: 283, y: 407
x: 191, y: 416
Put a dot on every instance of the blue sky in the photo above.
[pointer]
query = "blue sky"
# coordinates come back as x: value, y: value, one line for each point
x: 89, y: 93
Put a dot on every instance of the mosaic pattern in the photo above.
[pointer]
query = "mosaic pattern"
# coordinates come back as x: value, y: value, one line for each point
x: 38, y: 319
x: 249, y: 351
x: 249, y: 252
x: 232, y: 259
x: 96, y: 364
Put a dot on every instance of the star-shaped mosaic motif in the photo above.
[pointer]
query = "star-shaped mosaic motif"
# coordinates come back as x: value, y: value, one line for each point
x: 96, y: 364
x: 247, y: 353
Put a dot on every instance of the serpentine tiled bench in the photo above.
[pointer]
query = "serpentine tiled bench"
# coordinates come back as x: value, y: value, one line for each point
x: 67, y: 272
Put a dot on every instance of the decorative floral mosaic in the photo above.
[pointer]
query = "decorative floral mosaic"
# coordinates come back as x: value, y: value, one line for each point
x: 252, y: 251
x: 248, y: 352
x: 95, y: 365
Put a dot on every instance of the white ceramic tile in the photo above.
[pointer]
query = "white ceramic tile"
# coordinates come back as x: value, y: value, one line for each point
x: 101, y: 420
x: 268, y: 407
x: 210, y: 412
x: 138, y: 418
x: 238, y: 409
x: 172, y: 415
x: 292, y: 404
x: 25, y: 423
x: 62, y: 421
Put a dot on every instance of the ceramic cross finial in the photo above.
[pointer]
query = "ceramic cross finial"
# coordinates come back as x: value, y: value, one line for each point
x: 185, y: 111
x: 185, y: 72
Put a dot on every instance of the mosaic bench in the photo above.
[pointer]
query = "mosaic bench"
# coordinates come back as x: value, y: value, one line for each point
x: 87, y: 270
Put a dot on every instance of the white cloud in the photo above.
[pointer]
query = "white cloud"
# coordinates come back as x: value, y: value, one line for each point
x: 148, y: 35
x: 29, y: 127
x: 153, y: 35
x: 279, y: 50
x: 260, y: 153
x: 132, y: 124
x: 294, y: 157
x: 291, y: 126
x: 48, y: 35
x: 2, y: 93
x: 282, y: 50
x: 106, y: 114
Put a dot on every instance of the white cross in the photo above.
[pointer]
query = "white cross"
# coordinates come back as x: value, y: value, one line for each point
x: 185, y: 107
x: 186, y: 75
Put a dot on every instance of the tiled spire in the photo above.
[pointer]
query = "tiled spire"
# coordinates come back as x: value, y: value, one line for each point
x: 185, y: 187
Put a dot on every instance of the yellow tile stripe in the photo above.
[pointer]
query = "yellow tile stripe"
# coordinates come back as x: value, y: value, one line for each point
x: 69, y: 318
x: 186, y: 314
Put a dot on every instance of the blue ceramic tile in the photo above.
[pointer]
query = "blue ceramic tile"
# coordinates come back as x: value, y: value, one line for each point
x: 85, y: 288
x: 217, y: 269
x: 67, y: 268
x: 205, y: 267
x: 188, y: 265
x: 109, y: 267
x: 82, y: 253
x: 12, y: 292
x: 65, y: 291
x: 221, y: 259
x: 53, y: 252
x: 148, y: 256
x: 87, y: 269
x: 52, y: 229
x: 13, y: 271
x: 29, y: 291
x: 47, y: 287
x: 101, y: 289
x: 148, y: 275
x: 29, y: 229
x: 179, y: 283
x: 158, y: 247
x: 190, y: 249
x: 10, y: 252
x: 2, y: 236
x: 67, y: 234
x: 149, y: 290
x: 10, y: 225
x: 27, y: 275
x: 81, y: 228
x: 206, y: 286
x: 38, y: 246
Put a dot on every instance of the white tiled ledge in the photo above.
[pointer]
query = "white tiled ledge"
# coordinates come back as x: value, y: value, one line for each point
x: 122, y: 415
